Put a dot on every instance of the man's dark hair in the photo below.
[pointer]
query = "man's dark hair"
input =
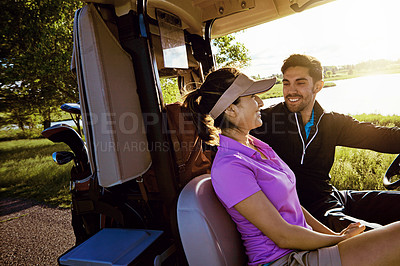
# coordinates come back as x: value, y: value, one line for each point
x: 313, y: 65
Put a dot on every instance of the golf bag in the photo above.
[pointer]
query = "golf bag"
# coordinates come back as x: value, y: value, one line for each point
x: 140, y: 156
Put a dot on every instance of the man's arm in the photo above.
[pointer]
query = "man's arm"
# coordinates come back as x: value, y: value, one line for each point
x: 362, y: 135
x: 316, y: 225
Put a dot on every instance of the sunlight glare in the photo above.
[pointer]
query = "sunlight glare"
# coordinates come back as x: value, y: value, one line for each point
x: 338, y: 33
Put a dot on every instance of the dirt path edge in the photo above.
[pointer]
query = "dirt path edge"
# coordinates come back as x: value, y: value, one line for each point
x: 33, y: 233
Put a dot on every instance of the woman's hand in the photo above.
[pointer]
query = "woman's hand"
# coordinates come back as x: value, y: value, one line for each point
x: 352, y: 230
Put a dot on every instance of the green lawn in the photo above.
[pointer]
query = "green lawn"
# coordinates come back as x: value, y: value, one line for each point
x: 276, y: 91
x: 28, y: 171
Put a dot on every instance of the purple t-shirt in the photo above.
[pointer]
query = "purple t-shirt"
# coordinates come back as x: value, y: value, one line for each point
x: 237, y: 173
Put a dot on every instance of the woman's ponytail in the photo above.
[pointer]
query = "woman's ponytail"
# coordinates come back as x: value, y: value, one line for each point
x: 200, y: 117
x: 200, y: 102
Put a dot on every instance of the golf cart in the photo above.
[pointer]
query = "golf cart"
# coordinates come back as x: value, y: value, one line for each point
x: 133, y: 201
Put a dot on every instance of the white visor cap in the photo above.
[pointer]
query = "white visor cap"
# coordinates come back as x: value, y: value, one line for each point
x: 242, y: 86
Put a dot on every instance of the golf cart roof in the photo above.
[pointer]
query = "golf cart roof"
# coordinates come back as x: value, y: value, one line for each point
x: 229, y: 15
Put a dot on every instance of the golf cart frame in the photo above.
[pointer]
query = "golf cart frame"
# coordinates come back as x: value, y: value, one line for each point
x: 121, y: 50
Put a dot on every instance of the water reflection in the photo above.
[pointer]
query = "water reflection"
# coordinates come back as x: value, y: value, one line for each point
x: 378, y: 94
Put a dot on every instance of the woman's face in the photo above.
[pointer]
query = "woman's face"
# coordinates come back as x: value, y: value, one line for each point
x: 248, y: 114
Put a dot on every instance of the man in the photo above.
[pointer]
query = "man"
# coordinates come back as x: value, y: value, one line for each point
x: 305, y: 137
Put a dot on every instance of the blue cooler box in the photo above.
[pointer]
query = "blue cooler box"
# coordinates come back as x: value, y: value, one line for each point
x: 110, y: 246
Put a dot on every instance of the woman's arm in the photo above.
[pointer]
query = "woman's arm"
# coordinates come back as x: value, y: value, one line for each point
x: 317, y: 225
x: 258, y: 210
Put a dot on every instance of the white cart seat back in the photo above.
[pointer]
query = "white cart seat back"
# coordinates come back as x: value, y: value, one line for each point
x: 113, y: 123
x: 208, y: 234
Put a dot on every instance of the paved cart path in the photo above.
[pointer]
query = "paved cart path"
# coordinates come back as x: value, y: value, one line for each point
x: 32, y: 233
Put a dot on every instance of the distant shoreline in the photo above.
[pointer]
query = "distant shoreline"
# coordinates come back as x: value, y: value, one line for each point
x: 363, y: 74
x: 276, y: 90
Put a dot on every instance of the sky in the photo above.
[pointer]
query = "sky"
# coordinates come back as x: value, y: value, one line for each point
x: 338, y: 33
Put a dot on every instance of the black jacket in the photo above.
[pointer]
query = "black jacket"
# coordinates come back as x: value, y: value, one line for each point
x: 311, y: 159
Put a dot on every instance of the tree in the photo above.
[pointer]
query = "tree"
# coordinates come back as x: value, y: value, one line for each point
x: 230, y: 52
x: 170, y: 90
x: 35, y: 56
x: 328, y: 74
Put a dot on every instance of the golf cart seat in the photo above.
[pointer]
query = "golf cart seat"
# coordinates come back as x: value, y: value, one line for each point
x: 208, y: 234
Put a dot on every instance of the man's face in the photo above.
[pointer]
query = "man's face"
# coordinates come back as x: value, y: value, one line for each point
x: 299, y: 89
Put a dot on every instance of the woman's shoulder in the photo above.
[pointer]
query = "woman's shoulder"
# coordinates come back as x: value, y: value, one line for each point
x: 229, y: 162
x: 224, y: 159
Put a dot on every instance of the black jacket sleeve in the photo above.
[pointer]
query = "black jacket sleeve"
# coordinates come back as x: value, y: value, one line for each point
x: 355, y: 134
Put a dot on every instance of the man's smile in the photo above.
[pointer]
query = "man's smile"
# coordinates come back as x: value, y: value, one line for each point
x: 293, y: 98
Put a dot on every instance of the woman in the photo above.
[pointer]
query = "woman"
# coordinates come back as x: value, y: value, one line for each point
x: 259, y: 190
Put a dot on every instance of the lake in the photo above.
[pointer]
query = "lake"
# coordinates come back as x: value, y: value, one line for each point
x: 68, y: 122
x: 378, y: 94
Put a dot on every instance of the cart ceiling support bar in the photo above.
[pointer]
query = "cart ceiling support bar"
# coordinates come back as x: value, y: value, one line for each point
x: 133, y: 41
x: 207, y: 37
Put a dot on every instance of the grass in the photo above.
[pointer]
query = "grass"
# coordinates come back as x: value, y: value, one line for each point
x: 389, y: 121
x: 363, y: 169
x: 27, y: 171
x: 14, y: 134
x: 276, y: 91
x: 329, y: 84
x: 359, y: 169
x: 9, y: 133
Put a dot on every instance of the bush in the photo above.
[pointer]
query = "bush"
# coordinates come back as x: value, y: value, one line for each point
x: 381, y: 120
x: 359, y: 169
x: 10, y: 133
x: 170, y: 90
